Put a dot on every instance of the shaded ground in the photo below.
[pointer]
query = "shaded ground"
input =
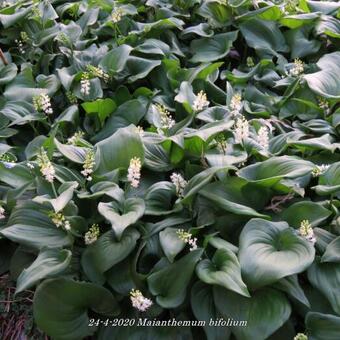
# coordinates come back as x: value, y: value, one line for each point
x: 16, y: 314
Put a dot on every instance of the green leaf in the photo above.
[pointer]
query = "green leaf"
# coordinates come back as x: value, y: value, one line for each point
x: 115, y: 60
x: 16, y: 176
x: 322, y: 326
x: 201, y: 179
x: 212, y: 49
x: 290, y: 285
x: 73, y: 153
x: 171, y: 243
x: 49, y: 263
x: 329, y: 181
x: 60, y: 307
x: 265, y: 312
x: 139, y: 68
x: 298, y: 20
x: 236, y: 196
x: 62, y: 200
x: 223, y: 270
x: 270, y: 251
x: 203, y: 307
x: 332, y: 252
x: 326, y: 278
x: 169, y: 284
x: 313, y: 212
x: 326, y: 82
x: 7, y: 73
x: 274, y: 169
x: 29, y: 225
x: 264, y: 36
x: 122, y: 215
x: 159, y: 199
x: 103, y: 107
x: 102, y: 255
x: 117, y: 150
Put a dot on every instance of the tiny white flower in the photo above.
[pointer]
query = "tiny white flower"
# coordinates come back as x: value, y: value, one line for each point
x: 92, y: 234
x: 193, y: 243
x: 324, y: 105
x: 241, y: 129
x: 85, y: 85
x: 179, y: 182
x: 165, y: 116
x: 42, y: 103
x: 263, y: 137
x: 300, y: 336
x: 60, y: 220
x: 117, y: 15
x: 200, y: 102
x: 250, y: 62
x: 306, y: 231
x: 138, y: 301
x: 46, y: 167
x: 98, y: 72
x: 75, y: 138
x: 297, y: 68
x: 187, y: 238
x: 140, y: 130
x: 30, y: 165
x: 88, y: 165
x: 2, y: 213
x: 236, y: 104
x: 134, y: 171
x: 320, y: 169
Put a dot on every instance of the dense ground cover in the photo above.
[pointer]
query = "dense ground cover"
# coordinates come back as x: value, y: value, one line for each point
x: 170, y: 159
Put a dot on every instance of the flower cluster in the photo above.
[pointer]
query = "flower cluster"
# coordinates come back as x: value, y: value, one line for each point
x: 263, y: 137
x: 75, y: 138
x: 236, y: 104
x: 300, y: 336
x: 8, y: 160
x: 85, y: 85
x: 42, y: 103
x: 306, y: 231
x: 92, y: 234
x: 63, y: 38
x: 46, y: 167
x: 221, y: 143
x: 200, y: 102
x: 323, y: 105
x: 140, y: 130
x: 60, y: 220
x: 88, y: 165
x: 4, y: 4
x: 179, y: 182
x: 291, y: 6
x: 187, y: 238
x: 134, y: 171
x: 71, y: 97
x: 97, y: 72
x: 138, y: 301
x: 241, y: 129
x: 166, y: 119
x: 2, y: 213
x: 117, y: 15
x: 250, y: 62
x: 319, y: 170
x: 297, y: 68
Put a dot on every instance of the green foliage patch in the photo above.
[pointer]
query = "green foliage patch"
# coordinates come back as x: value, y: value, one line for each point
x: 169, y: 159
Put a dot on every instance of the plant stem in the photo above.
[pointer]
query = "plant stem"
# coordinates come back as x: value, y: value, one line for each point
x: 54, y: 190
x: 3, y: 58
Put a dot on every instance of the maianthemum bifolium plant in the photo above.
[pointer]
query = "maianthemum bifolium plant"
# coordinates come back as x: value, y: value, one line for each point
x: 172, y: 160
